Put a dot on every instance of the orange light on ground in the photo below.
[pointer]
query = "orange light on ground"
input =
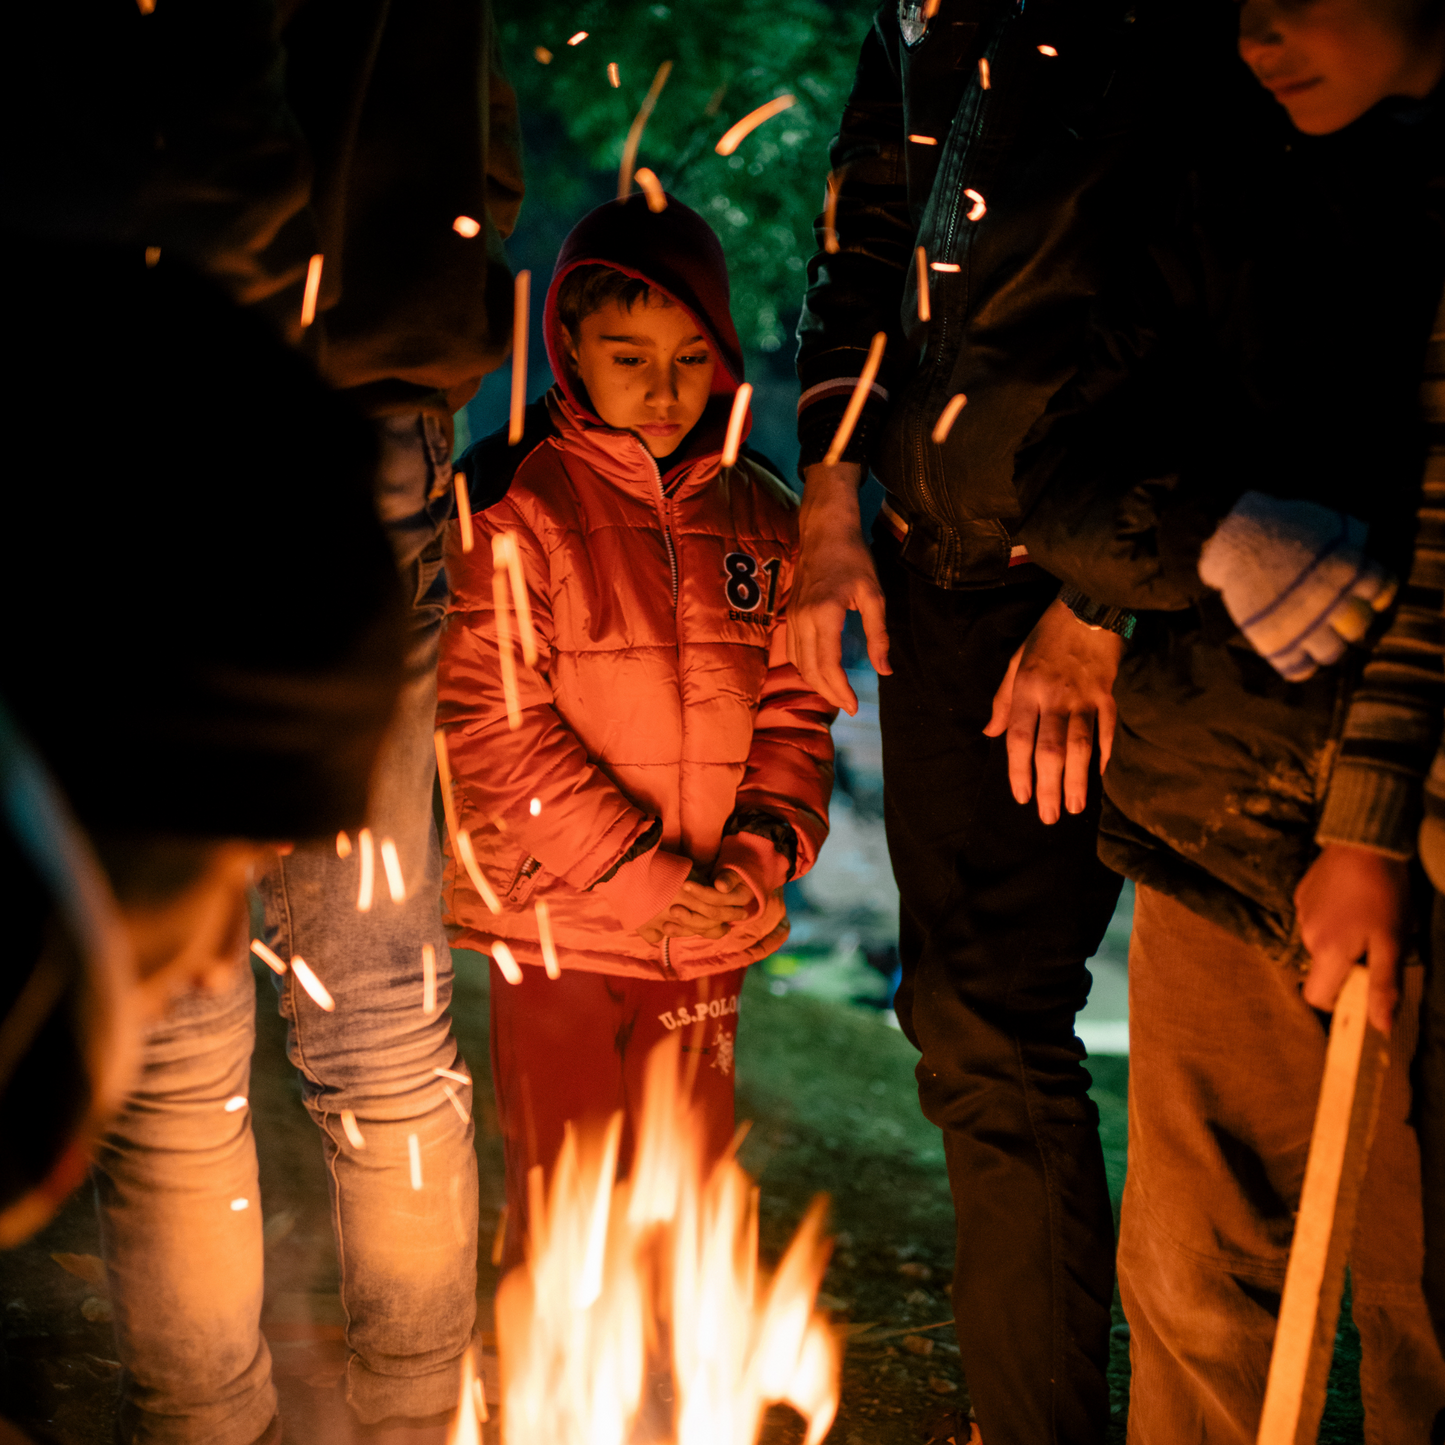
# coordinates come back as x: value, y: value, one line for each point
x: 466, y: 227
x: 861, y: 388
x: 734, y: 135
x: 734, y: 438
x: 313, y: 290
x: 947, y: 417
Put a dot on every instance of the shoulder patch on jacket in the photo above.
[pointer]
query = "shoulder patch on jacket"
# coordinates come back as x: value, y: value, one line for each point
x: 491, y: 463
x: 770, y: 477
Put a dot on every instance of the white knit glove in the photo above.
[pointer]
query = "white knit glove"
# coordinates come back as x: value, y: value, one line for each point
x: 1296, y: 581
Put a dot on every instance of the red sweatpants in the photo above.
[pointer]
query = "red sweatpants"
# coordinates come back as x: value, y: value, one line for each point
x: 574, y: 1048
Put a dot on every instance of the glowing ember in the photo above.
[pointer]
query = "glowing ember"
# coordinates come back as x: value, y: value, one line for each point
x: 542, y: 55
x: 235, y: 1103
x: 502, y: 612
x: 343, y: 845
x: 943, y: 266
x: 634, y: 132
x: 861, y: 389
x: 428, y: 979
x: 923, y: 140
x: 830, y: 214
x: 444, y: 777
x: 1047, y: 50
x: 535, y: 807
x: 925, y: 311
x: 451, y: 1074
x: 947, y: 417
x: 521, y: 302
x: 506, y: 960
x: 507, y: 555
x: 455, y: 1102
x: 734, y: 438
x: 544, y: 939
x: 733, y: 137
x: 976, y: 214
x: 413, y: 1149
x: 463, y: 845
x: 353, y: 1133
x: 392, y: 864
x: 578, y: 38
x: 153, y: 255
x: 499, y: 1239
x: 613, y: 74
x: 267, y: 957
x: 466, y: 226
x: 313, y: 985
x: 464, y: 509
x: 368, y: 872
x: 237, y: 1205
x: 658, y: 1276
x: 313, y: 290
x: 983, y: 72
x: 652, y: 189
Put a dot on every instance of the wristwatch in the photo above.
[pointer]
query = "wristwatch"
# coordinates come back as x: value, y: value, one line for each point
x: 1096, y: 615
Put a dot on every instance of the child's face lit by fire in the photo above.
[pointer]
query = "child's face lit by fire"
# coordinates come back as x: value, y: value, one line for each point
x: 1329, y: 61
x: 648, y: 370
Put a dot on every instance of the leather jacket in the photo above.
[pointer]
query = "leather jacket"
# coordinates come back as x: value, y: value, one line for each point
x: 990, y: 135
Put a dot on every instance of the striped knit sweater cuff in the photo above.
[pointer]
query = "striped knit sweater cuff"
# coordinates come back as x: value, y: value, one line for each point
x: 1371, y: 807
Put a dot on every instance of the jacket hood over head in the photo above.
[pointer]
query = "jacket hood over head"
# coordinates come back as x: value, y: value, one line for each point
x: 676, y: 252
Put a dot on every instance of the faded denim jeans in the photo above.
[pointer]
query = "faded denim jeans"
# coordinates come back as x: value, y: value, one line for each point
x: 184, y: 1254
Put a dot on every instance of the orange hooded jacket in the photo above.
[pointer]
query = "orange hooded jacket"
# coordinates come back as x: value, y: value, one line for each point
x: 662, y: 694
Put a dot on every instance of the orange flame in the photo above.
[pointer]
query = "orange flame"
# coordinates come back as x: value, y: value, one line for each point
x: 659, y: 1272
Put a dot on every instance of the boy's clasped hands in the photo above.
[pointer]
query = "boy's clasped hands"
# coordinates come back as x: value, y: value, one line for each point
x: 702, y: 908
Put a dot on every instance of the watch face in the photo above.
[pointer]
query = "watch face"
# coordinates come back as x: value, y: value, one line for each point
x: 912, y: 23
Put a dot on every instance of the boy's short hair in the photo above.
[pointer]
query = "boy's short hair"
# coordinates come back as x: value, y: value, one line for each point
x: 589, y: 288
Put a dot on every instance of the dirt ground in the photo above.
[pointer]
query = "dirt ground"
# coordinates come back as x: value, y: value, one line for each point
x: 829, y: 1087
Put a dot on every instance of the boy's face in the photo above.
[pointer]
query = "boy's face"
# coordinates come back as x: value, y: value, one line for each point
x: 648, y: 370
x: 1329, y: 61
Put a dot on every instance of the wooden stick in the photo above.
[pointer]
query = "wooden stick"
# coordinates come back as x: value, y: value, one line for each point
x: 1304, y: 1341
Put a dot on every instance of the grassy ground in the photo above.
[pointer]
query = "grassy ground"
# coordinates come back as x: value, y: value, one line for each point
x: 830, y: 1090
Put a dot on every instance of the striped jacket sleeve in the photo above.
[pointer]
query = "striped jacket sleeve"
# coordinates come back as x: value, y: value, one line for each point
x: 1393, y: 725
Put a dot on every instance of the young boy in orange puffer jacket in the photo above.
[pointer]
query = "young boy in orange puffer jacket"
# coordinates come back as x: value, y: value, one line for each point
x: 672, y: 770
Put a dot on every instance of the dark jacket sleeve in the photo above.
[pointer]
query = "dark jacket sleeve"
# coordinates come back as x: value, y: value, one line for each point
x: 855, y: 291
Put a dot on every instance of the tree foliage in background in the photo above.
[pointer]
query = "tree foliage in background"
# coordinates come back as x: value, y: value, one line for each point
x: 726, y: 59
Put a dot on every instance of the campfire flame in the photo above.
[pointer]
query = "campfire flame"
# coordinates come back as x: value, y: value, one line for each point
x: 641, y: 1314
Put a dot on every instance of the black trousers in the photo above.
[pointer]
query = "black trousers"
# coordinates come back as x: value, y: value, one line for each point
x: 999, y: 913
x: 1428, y: 1117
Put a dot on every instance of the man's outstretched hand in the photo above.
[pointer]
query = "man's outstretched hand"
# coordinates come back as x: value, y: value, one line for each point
x: 834, y: 575
x: 1058, y: 691
x: 1353, y: 905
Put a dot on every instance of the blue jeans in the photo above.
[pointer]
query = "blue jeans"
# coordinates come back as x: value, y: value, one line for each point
x: 186, y: 1266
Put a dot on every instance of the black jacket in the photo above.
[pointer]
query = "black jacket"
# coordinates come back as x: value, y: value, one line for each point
x: 1266, y: 332
x: 1040, y: 146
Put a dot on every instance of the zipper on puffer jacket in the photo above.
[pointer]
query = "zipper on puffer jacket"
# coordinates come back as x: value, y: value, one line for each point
x: 523, y: 882
x: 664, y: 517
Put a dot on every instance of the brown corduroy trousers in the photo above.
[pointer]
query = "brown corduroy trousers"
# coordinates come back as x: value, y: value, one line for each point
x: 1224, y: 1070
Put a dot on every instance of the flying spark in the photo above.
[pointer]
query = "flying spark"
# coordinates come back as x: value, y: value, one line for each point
x: 237, y: 1205
x: 855, y: 402
x: 733, y: 137
x: 235, y: 1103
x: 456, y: 1103
x: 506, y: 960
x: 535, y: 806
x: 343, y: 845
x: 153, y: 255
x: 499, y: 1239
x: 652, y: 189
x: 578, y: 38
x: 634, y: 132
x: 313, y: 985
x: 413, y: 1148
x: 353, y: 1133
x: 506, y: 552
x: 444, y: 776
x: 924, y: 310
x: 146, y: 7
x: 930, y: 8
x: 544, y: 938
x: 474, y: 872
x: 466, y: 226
x: 368, y: 872
x: 313, y: 290
x: 947, y: 417
x: 947, y: 266
x: 464, y: 509
x: 924, y: 140
x: 428, y: 979
x: 267, y: 957
x: 502, y: 614
x: 1047, y: 50
x: 451, y: 1074
x: 521, y: 302
x: 394, y: 884
x: 983, y: 71
x: 542, y: 55
x: 613, y: 74
x: 976, y: 214
x: 734, y: 438
x: 830, y: 214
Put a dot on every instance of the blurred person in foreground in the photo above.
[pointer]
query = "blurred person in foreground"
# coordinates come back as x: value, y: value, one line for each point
x: 256, y: 142
x: 1244, y: 472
